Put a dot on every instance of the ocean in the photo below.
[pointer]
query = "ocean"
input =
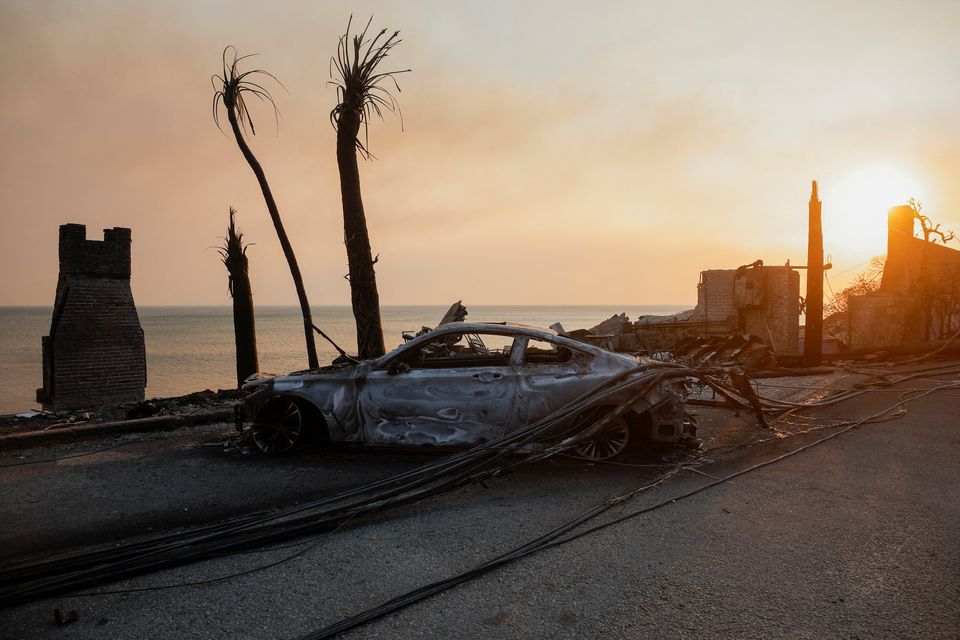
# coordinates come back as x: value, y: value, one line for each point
x: 191, y: 348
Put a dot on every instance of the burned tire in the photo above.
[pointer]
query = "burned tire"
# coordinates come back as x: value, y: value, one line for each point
x: 279, y: 426
x: 612, y: 441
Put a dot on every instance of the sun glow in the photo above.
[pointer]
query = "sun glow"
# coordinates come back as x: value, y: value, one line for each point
x: 855, y: 210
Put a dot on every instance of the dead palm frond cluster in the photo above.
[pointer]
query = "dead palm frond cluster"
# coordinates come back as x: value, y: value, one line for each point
x: 232, y: 87
x: 359, y: 89
x: 233, y: 252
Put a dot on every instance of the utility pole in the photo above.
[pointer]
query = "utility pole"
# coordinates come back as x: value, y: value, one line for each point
x: 813, y: 330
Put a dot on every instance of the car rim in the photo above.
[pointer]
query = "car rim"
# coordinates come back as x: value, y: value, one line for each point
x: 278, y: 426
x: 610, y: 442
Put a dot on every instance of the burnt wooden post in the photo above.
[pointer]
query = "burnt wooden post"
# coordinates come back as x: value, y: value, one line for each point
x: 813, y: 330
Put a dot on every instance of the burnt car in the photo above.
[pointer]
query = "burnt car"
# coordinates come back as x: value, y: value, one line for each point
x: 455, y: 386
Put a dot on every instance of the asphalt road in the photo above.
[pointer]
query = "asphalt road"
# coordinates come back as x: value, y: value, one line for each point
x: 858, y: 537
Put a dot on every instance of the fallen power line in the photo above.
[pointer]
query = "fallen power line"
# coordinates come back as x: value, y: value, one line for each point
x: 555, y: 434
x: 554, y: 537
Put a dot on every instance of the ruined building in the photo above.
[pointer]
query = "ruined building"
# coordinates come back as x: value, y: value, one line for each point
x: 754, y: 299
x: 95, y: 351
x: 745, y: 308
x: 919, y: 296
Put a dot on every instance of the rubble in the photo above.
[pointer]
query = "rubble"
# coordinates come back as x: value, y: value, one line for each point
x: 749, y: 315
x: 614, y: 325
x: 724, y: 351
x: 193, y: 404
x: 681, y: 343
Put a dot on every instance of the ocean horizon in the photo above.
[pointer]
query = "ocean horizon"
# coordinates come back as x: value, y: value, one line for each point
x: 191, y: 348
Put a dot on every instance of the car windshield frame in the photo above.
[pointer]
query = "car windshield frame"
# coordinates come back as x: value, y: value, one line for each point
x: 518, y: 333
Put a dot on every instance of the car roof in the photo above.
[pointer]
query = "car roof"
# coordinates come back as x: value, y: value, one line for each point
x: 493, y: 327
x: 518, y: 324
x: 505, y: 328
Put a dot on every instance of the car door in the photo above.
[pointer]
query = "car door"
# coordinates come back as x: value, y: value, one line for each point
x: 444, y: 395
x: 550, y: 376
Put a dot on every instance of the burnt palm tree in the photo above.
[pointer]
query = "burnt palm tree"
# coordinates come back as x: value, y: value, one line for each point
x: 231, y: 89
x: 234, y: 256
x: 360, y: 96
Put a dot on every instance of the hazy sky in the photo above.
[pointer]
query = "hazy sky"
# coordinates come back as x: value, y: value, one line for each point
x: 552, y: 152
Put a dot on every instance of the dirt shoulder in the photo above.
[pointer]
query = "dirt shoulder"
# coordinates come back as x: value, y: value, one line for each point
x: 192, y: 405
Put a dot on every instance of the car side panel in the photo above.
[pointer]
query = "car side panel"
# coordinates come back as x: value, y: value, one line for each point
x: 439, y: 407
x: 544, y: 388
x: 336, y: 399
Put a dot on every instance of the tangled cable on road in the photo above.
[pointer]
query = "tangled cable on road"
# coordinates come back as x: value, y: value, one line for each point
x: 554, y: 434
x: 558, y: 432
x: 556, y: 537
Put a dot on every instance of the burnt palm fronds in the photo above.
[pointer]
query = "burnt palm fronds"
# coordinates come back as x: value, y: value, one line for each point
x: 233, y: 253
x: 359, y: 83
x: 232, y: 88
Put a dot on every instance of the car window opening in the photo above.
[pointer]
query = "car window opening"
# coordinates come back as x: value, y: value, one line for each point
x: 543, y: 352
x: 463, y: 350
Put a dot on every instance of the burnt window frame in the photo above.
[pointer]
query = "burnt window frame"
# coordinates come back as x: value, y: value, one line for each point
x: 519, y: 359
x: 411, y: 356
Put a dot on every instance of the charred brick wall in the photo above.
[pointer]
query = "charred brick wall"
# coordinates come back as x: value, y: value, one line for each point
x: 95, y: 351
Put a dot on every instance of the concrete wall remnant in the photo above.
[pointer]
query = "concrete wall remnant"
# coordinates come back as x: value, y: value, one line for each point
x: 777, y: 319
x: 758, y: 300
x: 715, y: 297
x: 879, y: 320
x: 95, y: 352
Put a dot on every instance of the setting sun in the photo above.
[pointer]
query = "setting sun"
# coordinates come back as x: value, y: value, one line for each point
x: 855, y: 210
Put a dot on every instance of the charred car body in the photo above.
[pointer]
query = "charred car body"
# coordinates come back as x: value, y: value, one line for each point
x: 455, y: 386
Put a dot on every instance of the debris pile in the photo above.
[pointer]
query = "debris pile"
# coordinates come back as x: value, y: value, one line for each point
x: 674, y: 338
x: 206, y: 401
x: 724, y: 351
x: 751, y: 300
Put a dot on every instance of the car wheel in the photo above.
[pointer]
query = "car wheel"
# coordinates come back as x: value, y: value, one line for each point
x: 609, y: 443
x: 279, y: 426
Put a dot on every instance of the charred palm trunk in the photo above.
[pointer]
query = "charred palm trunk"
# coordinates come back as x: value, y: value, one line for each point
x: 312, y: 360
x: 363, y: 278
x: 234, y: 255
x: 244, y: 329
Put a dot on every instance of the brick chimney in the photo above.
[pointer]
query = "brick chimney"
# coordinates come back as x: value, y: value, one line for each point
x: 95, y: 351
x: 896, y: 270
